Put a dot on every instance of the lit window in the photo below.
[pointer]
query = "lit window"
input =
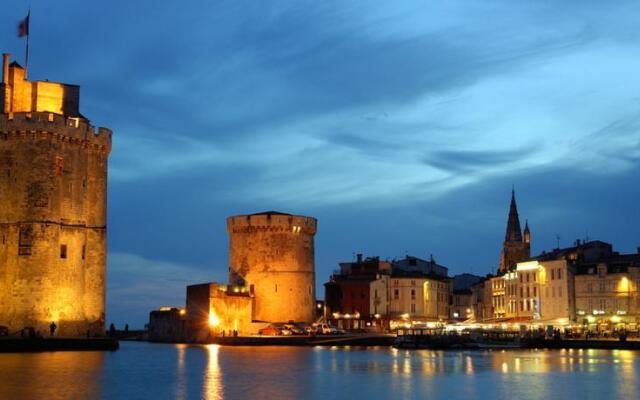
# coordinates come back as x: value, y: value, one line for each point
x: 63, y: 251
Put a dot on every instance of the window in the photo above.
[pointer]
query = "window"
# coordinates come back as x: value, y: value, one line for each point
x: 84, y: 250
x: 528, y: 293
x: 396, y: 294
x: 528, y: 277
x: 25, y: 240
x: 58, y: 166
x: 63, y: 251
x: 413, y: 294
x: 521, y: 292
x: 276, y: 288
x: 535, y: 291
x: 553, y: 274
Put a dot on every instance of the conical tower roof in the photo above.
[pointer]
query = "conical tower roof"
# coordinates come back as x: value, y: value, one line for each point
x: 514, y: 233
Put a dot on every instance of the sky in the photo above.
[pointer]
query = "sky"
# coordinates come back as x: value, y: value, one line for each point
x: 401, y: 126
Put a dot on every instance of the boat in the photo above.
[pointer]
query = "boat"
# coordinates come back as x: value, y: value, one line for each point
x: 439, y: 339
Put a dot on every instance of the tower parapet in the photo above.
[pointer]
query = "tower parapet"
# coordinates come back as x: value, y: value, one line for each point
x: 273, y: 254
x: 53, y: 126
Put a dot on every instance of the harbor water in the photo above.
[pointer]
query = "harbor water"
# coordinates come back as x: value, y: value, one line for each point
x: 165, y: 371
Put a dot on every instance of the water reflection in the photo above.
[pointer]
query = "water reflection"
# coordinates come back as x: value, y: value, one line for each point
x: 212, y: 387
x: 141, y: 370
x: 181, y: 373
x: 61, y: 375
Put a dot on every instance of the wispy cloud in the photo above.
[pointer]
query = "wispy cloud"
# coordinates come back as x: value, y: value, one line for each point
x: 400, y: 124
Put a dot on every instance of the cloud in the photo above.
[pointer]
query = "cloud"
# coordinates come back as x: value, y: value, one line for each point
x: 401, y: 125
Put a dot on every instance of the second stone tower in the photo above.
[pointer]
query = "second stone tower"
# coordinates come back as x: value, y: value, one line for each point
x: 272, y: 253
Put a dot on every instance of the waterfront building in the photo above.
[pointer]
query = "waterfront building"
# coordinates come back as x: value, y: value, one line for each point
x: 482, y: 300
x: 498, y: 302
x: 53, y: 188
x: 374, y: 294
x: 167, y: 324
x: 462, y: 304
x: 356, y: 296
x: 215, y: 309
x: 541, y: 292
x: 418, y: 297
x: 587, y: 285
x: 608, y: 291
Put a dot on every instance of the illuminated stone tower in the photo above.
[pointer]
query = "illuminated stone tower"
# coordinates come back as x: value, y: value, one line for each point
x: 515, y: 248
x: 273, y: 254
x: 53, y: 196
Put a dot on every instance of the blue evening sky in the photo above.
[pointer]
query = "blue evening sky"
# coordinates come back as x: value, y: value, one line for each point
x: 400, y: 125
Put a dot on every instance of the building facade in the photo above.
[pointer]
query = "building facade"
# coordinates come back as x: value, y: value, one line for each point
x: 607, y: 293
x: 418, y: 297
x: 587, y: 285
x: 374, y: 294
x: 356, y: 297
x: 53, y: 189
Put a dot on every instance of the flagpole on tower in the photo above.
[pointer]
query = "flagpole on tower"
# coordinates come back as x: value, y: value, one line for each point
x: 23, y: 30
x: 26, y: 57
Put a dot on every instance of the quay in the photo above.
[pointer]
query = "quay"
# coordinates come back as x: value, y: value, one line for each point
x: 29, y: 345
x: 325, y: 340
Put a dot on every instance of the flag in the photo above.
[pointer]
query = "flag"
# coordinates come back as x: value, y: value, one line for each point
x: 23, y: 27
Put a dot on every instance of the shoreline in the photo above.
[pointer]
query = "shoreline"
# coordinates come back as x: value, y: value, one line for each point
x: 34, y: 345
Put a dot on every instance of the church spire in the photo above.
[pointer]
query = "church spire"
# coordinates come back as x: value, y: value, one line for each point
x: 514, y: 233
x: 527, y: 232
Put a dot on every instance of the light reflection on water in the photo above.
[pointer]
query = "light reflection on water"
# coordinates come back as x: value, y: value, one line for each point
x: 143, y: 370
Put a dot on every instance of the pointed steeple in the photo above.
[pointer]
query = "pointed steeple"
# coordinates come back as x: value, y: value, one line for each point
x: 526, y: 233
x: 514, y: 233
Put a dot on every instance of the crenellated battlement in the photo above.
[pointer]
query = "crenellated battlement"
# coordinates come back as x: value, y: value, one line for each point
x: 58, y: 126
x: 272, y: 222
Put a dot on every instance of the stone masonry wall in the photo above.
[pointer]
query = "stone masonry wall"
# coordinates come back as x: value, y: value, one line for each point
x: 53, y: 184
x: 274, y: 255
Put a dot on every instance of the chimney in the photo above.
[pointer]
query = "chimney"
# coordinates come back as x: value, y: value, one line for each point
x: 5, y: 68
x: 359, y: 257
x: 4, y: 88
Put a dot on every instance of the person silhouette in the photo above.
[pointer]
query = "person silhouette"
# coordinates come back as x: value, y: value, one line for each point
x: 52, y: 328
